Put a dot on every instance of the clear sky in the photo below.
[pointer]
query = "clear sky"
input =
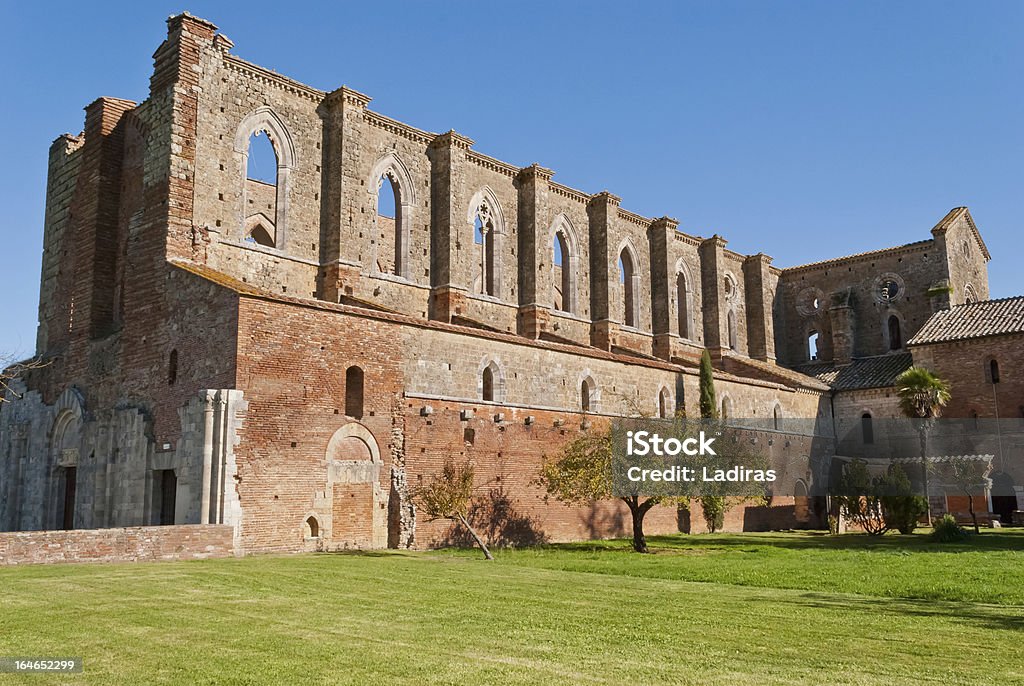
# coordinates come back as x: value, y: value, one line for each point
x: 805, y: 130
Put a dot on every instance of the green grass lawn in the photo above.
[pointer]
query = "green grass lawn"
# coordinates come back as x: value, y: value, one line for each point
x: 739, y: 609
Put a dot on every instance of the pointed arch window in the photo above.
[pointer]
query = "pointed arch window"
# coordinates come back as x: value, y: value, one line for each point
x: 266, y: 153
x: 488, y: 384
x: 895, y: 336
x: 561, y: 261
x: 664, y: 404
x: 628, y: 279
x: 731, y: 318
x: 812, y: 345
x: 486, y: 282
x: 389, y: 225
x: 682, y: 306
x: 588, y: 392
x: 393, y: 199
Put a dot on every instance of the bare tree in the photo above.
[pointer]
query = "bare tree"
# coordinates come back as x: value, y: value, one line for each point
x: 11, y: 370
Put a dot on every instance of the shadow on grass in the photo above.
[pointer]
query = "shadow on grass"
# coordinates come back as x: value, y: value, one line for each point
x: 806, y: 540
x: 1009, y: 618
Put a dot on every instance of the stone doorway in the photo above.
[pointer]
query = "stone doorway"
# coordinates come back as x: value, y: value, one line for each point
x: 1004, y: 497
x: 69, y: 483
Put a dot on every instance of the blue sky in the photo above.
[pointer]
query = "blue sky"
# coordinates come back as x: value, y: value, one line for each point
x: 802, y: 129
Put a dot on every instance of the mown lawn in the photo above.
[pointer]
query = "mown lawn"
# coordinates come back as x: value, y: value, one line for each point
x: 738, y: 609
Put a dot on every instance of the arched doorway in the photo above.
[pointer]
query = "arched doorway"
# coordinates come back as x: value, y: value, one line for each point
x: 801, y: 503
x: 357, y: 489
x: 1004, y: 497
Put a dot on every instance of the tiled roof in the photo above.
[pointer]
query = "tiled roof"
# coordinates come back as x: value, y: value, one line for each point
x: 866, y: 372
x: 973, y: 320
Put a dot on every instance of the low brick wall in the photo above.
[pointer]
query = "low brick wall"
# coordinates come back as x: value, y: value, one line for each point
x: 132, y: 544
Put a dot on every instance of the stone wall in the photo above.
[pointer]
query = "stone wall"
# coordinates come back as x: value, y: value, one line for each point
x: 133, y: 544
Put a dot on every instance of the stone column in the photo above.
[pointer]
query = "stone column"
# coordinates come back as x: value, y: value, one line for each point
x: 660, y: 236
x: 534, y: 267
x: 842, y: 318
x: 340, y: 246
x: 760, y: 318
x: 447, y: 154
x: 712, y: 256
x: 601, y: 210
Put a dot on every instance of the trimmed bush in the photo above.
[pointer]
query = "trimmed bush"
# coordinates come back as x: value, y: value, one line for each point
x: 901, y: 509
x: 946, y: 530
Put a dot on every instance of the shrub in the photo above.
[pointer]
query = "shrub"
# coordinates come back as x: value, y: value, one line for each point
x: 900, y: 508
x: 946, y: 530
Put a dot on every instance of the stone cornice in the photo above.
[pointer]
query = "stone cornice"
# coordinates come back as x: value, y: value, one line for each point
x: 687, y: 238
x: 272, y: 78
x: 606, y: 197
x: 492, y: 163
x: 536, y: 171
x: 348, y: 96
x: 398, y: 128
x: 570, y: 193
x: 452, y: 138
x: 919, y: 246
x: 759, y: 257
x: 715, y: 241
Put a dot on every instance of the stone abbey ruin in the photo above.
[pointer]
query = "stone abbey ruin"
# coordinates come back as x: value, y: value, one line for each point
x: 285, y: 360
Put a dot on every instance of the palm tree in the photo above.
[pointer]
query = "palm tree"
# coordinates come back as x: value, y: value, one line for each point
x: 923, y: 394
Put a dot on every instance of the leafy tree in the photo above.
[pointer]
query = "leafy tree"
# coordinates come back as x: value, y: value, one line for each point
x: 714, y: 508
x: 448, y: 496
x: 708, y: 403
x: 901, y: 509
x: 858, y: 499
x: 922, y: 396
x: 581, y: 473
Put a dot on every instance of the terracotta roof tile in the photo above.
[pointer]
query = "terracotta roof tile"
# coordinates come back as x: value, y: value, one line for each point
x: 866, y: 372
x: 973, y: 320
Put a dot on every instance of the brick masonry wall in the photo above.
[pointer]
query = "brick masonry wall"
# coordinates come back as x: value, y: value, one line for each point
x: 132, y: 544
x: 292, y: 362
x: 964, y: 364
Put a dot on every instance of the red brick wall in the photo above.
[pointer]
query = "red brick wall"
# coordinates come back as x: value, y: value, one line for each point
x: 964, y: 365
x: 291, y: 367
x: 133, y: 544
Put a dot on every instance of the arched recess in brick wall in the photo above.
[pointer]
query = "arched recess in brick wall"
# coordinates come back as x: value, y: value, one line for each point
x: 353, y: 442
x: 487, y: 226
x: 390, y: 169
x: 565, y: 264
x: 628, y: 269
x: 265, y: 120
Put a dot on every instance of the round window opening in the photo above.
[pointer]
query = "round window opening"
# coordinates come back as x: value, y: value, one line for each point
x: 889, y: 289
